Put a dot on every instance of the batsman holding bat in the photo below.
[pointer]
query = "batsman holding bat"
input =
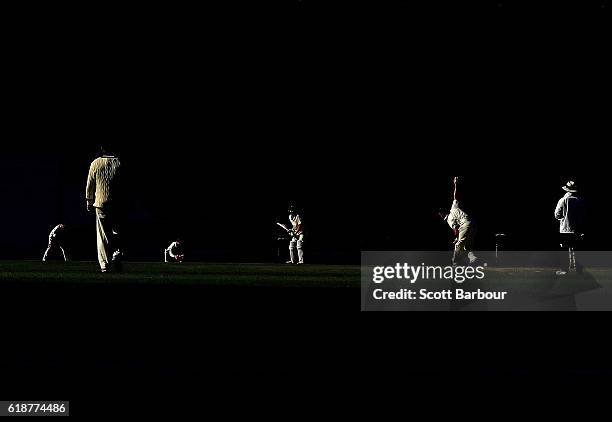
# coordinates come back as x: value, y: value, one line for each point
x: 296, y: 233
x: 463, y: 227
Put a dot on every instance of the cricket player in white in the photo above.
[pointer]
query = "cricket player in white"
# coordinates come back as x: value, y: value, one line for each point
x: 570, y: 212
x: 173, y: 253
x: 55, y: 242
x: 102, y: 194
x: 463, y: 227
x: 296, y: 244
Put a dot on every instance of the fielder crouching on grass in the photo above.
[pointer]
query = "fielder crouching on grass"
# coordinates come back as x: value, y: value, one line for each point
x: 56, y: 240
x: 103, y: 196
x: 463, y: 227
x: 174, y: 252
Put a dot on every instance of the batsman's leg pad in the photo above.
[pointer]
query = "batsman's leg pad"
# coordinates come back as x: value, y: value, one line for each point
x: 292, y: 248
x: 300, y: 251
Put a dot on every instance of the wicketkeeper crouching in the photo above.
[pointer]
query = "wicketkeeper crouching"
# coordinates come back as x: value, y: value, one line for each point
x: 55, y: 242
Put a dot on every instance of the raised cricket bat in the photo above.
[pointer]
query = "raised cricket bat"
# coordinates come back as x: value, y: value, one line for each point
x: 284, y: 227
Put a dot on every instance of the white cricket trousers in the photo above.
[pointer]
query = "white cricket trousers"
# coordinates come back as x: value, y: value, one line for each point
x: 465, y: 243
x: 297, y: 245
x: 108, y: 237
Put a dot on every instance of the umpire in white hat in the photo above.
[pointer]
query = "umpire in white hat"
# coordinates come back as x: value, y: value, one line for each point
x: 571, y: 214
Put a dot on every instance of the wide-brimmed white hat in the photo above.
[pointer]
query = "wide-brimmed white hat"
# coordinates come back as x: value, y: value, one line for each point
x: 571, y: 186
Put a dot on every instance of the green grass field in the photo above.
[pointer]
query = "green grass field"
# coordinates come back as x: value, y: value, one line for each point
x: 264, y: 275
x: 189, y: 273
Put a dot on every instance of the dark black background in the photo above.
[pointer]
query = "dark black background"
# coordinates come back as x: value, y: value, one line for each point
x: 377, y: 104
x: 360, y: 113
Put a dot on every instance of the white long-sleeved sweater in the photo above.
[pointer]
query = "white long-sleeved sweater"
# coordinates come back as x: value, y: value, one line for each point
x: 570, y: 212
x: 102, y: 180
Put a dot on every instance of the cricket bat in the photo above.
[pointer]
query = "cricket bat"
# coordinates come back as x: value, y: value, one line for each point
x: 291, y: 232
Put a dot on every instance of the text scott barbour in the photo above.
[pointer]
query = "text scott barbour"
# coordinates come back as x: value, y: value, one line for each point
x: 412, y: 274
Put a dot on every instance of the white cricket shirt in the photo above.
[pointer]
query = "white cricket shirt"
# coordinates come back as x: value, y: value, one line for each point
x: 295, y: 220
x: 457, y: 217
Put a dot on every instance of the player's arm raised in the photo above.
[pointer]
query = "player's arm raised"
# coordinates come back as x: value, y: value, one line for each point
x: 455, y: 183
